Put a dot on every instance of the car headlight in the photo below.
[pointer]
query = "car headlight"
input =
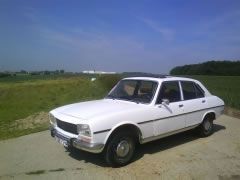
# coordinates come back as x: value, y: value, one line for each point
x: 84, y: 129
x: 52, y: 119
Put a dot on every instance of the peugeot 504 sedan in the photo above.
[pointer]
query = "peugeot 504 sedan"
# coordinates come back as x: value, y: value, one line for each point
x: 136, y: 110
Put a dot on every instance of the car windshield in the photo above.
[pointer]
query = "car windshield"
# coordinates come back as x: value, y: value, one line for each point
x: 138, y: 91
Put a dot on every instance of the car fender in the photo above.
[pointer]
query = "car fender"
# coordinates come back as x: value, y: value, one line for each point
x: 118, y: 125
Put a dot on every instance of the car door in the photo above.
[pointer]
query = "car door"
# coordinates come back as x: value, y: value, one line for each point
x: 169, y: 114
x: 194, y: 102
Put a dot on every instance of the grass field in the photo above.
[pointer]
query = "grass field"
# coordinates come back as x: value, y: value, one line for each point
x: 25, y: 100
x: 21, y: 97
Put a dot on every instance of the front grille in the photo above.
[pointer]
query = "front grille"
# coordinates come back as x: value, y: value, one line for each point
x: 72, y: 128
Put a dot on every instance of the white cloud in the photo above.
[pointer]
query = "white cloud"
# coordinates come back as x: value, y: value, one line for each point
x: 167, y: 33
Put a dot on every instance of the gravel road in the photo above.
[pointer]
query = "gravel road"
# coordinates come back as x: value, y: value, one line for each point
x: 182, y: 156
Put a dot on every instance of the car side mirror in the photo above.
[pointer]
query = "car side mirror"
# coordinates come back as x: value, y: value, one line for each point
x: 165, y: 102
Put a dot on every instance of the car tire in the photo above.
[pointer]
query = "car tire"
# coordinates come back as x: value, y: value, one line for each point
x: 120, y: 149
x: 69, y: 148
x: 206, y: 127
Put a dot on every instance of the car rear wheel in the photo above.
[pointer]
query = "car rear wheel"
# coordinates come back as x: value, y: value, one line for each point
x: 206, y: 128
x: 120, y: 149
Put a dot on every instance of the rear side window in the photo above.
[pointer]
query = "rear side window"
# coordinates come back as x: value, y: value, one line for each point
x: 199, y: 91
x: 191, y: 90
x: 169, y: 90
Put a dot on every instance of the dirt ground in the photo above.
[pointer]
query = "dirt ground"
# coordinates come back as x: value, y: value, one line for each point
x: 182, y: 156
x: 38, y: 119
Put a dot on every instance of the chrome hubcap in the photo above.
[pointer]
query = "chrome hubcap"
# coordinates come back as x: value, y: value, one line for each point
x: 207, y: 125
x: 122, y: 148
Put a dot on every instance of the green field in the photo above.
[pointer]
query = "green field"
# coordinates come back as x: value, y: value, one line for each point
x: 29, y: 98
x: 23, y: 96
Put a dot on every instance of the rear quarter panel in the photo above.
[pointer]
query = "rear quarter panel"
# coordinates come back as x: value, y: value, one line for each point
x: 216, y: 104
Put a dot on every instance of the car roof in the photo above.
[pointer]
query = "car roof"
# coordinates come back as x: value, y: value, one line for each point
x: 161, y: 78
x: 169, y: 78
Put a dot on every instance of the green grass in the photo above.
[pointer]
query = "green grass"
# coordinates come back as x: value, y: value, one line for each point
x: 23, y: 96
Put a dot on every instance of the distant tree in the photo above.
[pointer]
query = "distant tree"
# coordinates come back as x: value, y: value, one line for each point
x: 23, y: 72
x: 56, y: 72
x: 62, y: 71
x: 35, y: 73
x: 222, y: 68
x: 46, y: 72
x: 4, y: 74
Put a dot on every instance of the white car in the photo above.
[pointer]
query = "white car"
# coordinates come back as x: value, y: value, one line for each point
x: 137, y: 110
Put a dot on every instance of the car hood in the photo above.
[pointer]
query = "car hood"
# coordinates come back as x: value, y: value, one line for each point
x: 91, y: 109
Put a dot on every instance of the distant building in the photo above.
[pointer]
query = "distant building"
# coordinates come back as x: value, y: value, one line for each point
x: 97, y: 72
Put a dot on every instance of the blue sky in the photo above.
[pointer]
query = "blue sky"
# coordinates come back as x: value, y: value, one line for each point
x: 141, y: 35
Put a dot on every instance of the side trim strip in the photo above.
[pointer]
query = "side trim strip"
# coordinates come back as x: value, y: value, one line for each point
x: 152, y: 138
x: 106, y: 130
x: 144, y: 122
x: 177, y: 115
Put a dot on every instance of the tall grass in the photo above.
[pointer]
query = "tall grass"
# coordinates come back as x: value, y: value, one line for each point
x: 22, y: 97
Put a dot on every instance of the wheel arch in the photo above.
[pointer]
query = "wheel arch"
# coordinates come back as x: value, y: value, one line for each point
x: 211, y: 114
x: 127, y: 126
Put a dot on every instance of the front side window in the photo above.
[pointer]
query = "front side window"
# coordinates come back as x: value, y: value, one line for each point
x: 134, y: 90
x: 169, y: 90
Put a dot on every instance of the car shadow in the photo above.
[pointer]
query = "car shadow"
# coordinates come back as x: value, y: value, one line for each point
x: 148, y: 148
x: 171, y: 142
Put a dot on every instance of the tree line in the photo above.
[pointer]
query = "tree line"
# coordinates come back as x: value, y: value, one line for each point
x: 221, y: 68
x: 23, y: 72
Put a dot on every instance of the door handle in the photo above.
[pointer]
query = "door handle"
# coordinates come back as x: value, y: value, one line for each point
x: 180, y: 105
x: 203, y: 101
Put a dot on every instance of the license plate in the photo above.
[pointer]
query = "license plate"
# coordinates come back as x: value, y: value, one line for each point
x: 61, y: 141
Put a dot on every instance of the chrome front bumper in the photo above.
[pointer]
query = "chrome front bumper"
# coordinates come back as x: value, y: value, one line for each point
x: 74, y: 142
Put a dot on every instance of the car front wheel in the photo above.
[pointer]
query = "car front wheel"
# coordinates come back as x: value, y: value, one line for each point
x: 120, y: 149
